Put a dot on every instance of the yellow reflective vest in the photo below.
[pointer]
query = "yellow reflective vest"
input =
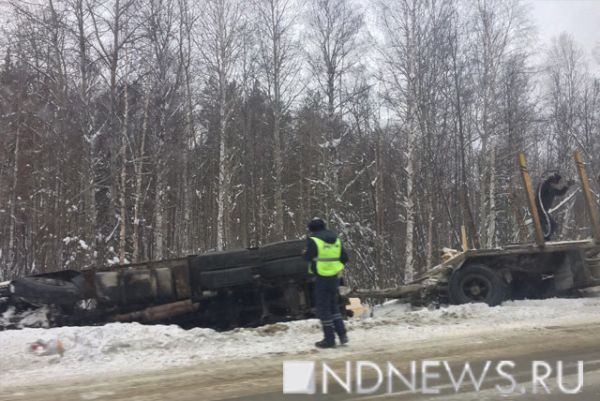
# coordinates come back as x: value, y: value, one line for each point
x: 328, y: 257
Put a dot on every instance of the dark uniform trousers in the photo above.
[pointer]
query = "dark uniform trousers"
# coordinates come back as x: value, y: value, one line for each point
x: 328, y: 309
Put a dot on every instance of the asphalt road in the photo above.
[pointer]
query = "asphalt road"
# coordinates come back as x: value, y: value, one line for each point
x: 445, y: 389
x: 261, y: 378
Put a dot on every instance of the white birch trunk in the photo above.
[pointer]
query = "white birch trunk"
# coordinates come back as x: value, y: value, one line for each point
x: 491, y: 224
x: 429, y: 259
x: 410, y: 206
x: 185, y: 59
x: 483, y: 191
x: 380, y: 212
x: 222, y: 185
x: 224, y: 29
x: 276, y: 62
x: 123, y: 155
x: 159, y: 216
x: 139, y: 167
x: 411, y: 97
x: 187, y: 194
x: 185, y: 231
x: 278, y: 166
x: 13, y: 199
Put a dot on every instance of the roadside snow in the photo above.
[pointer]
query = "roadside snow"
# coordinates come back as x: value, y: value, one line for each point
x: 120, y: 348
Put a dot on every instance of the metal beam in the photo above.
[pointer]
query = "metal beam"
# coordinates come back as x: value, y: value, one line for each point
x: 587, y: 193
x: 537, y: 224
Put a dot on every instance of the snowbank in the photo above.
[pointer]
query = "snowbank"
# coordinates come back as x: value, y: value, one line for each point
x: 119, y: 348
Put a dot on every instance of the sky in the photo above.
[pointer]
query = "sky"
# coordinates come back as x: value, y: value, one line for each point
x: 580, y: 18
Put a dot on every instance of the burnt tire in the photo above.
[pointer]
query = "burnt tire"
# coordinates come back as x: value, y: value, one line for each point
x: 477, y: 283
x: 45, y: 290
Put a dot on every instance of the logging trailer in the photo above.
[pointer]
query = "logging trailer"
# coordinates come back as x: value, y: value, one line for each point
x: 518, y: 271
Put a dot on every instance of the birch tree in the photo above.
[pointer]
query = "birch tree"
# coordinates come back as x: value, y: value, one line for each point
x: 497, y: 28
x: 187, y: 21
x: 281, y: 65
x: 112, y: 31
x: 401, y: 26
x: 566, y: 73
x: 334, y: 28
x: 219, y: 42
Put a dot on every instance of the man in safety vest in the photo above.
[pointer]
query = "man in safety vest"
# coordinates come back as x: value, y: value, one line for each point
x: 326, y: 257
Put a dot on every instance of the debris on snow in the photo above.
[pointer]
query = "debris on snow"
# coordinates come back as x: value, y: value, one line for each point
x: 127, y: 348
x: 272, y: 329
x: 46, y: 348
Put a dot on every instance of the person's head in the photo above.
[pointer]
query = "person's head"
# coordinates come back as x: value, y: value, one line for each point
x: 316, y: 224
x: 555, y: 178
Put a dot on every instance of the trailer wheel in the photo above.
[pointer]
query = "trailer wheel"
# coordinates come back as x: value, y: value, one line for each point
x: 477, y: 283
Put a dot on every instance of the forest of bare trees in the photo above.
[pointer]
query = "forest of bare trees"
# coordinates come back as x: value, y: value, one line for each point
x: 133, y: 130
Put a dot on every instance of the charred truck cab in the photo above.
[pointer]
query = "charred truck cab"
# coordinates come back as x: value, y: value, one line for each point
x: 221, y: 290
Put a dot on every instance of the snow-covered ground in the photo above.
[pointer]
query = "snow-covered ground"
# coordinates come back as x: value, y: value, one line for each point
x: 120, y: 348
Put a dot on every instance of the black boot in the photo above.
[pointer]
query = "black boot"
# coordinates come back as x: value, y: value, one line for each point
x: 325, y: 344
x: 329, y: 335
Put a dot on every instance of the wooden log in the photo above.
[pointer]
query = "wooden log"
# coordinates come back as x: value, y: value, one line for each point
x: 537, y: 224
x: 587, y: 193
x: 161, y: 312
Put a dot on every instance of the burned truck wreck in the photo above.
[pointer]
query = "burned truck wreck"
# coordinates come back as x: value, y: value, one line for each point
x: 220, y: 290
x: 250, y: 287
